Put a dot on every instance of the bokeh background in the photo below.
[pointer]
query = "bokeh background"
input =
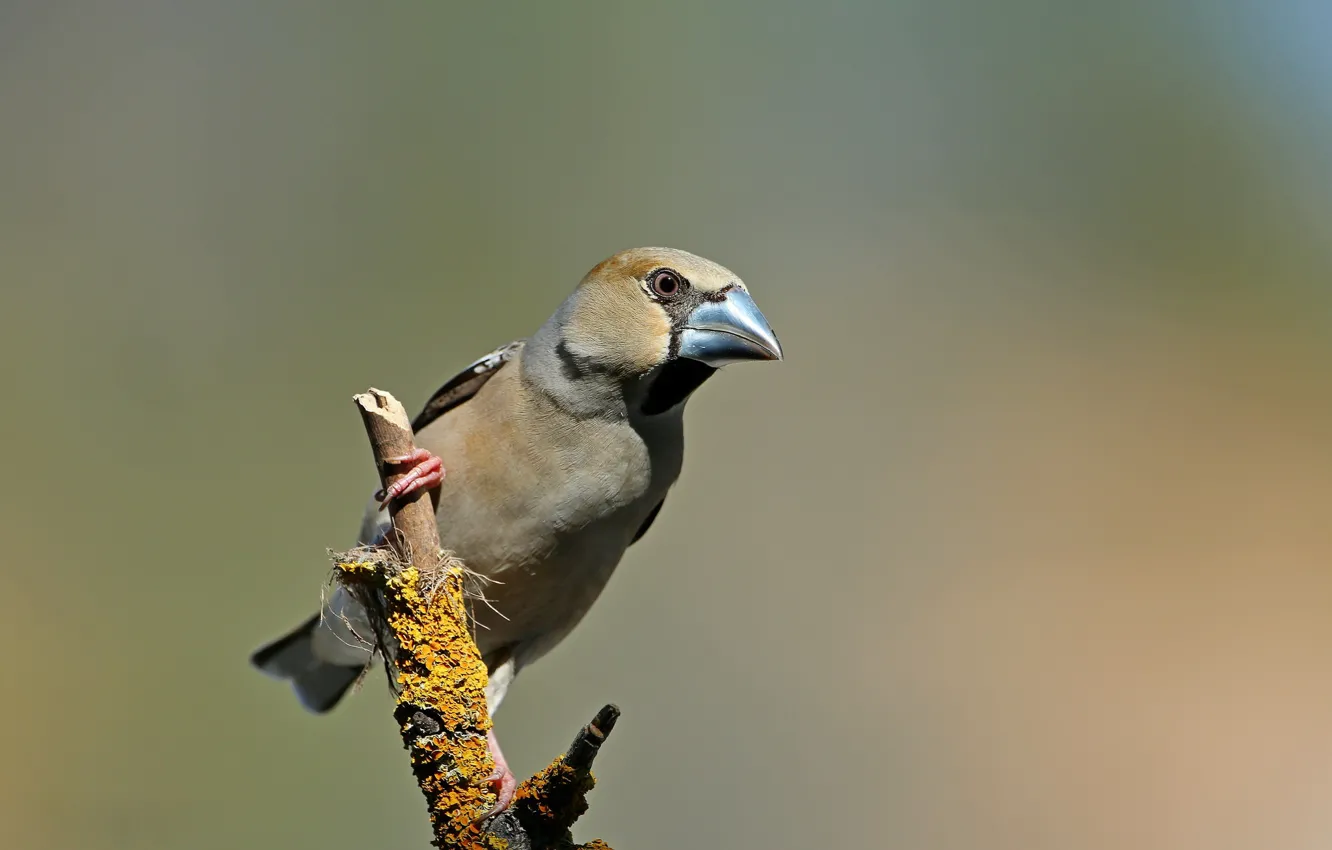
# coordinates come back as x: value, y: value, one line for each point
x: 1025, y: 546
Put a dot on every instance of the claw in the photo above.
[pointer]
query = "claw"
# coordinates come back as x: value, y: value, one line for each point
x: 502, y: 781
x: 427, y: 473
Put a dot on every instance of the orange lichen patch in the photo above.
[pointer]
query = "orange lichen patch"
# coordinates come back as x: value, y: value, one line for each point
x: 441, y: 683
x: 550, y: 802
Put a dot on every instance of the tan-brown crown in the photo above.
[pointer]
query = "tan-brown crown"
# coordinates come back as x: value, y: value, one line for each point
x: 637, y: 263
x: 617, y: 323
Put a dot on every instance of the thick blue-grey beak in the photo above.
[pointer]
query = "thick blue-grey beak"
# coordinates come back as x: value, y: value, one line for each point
x: 728, y: 331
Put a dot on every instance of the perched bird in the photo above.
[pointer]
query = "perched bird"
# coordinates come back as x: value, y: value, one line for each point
x: 560, y: 451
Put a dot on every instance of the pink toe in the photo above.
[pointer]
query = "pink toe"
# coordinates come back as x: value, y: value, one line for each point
x: 505, y: 786
x: 426, y: 474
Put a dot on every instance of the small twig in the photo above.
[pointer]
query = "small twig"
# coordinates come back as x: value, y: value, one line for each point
x: 588, y: 743
x: 547, y: 805
x: 414, y: 595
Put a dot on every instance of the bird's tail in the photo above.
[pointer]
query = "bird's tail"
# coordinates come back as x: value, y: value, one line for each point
x: 318, y: 684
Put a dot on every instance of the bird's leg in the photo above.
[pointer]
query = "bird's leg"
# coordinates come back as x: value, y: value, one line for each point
x: 502, y: 780
x: 427, y: 472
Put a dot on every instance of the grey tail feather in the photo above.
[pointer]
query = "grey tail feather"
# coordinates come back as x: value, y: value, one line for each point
x: 318, y: 684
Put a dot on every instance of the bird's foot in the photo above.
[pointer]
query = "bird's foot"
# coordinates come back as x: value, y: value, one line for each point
x: 502, y: 780
x: 427, y: 472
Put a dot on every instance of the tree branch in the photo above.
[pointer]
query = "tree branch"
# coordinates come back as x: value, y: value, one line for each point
x: 413, y: 592
x: 390, y: 433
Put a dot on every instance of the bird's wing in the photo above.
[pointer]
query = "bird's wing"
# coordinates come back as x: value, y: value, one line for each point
x: 465, y: 384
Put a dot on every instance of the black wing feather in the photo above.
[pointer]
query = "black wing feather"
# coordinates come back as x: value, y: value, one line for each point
x: 465, y: 384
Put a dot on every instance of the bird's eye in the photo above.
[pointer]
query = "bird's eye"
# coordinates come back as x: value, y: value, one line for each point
x: 666, y: 283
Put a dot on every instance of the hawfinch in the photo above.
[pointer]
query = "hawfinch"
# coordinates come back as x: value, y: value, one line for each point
x: 560, y: 451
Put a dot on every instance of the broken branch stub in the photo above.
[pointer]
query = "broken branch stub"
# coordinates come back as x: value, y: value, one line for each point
x: 390, y: 431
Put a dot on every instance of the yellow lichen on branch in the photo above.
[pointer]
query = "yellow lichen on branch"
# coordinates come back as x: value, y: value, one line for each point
x: 440, y: 681
x: 558, y: 792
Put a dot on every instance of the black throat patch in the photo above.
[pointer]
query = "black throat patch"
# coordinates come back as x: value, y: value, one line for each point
x: 673, y: 384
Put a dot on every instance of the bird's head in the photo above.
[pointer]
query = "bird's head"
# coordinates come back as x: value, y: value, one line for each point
x: 667, y: 316
x: 645, y: 307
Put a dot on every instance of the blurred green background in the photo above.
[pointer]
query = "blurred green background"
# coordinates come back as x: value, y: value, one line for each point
x: 1026, y: 545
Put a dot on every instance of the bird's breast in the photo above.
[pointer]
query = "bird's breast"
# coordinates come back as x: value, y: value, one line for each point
x: 510, y: 491
x: 544, y: 505
x: 547, y: 517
